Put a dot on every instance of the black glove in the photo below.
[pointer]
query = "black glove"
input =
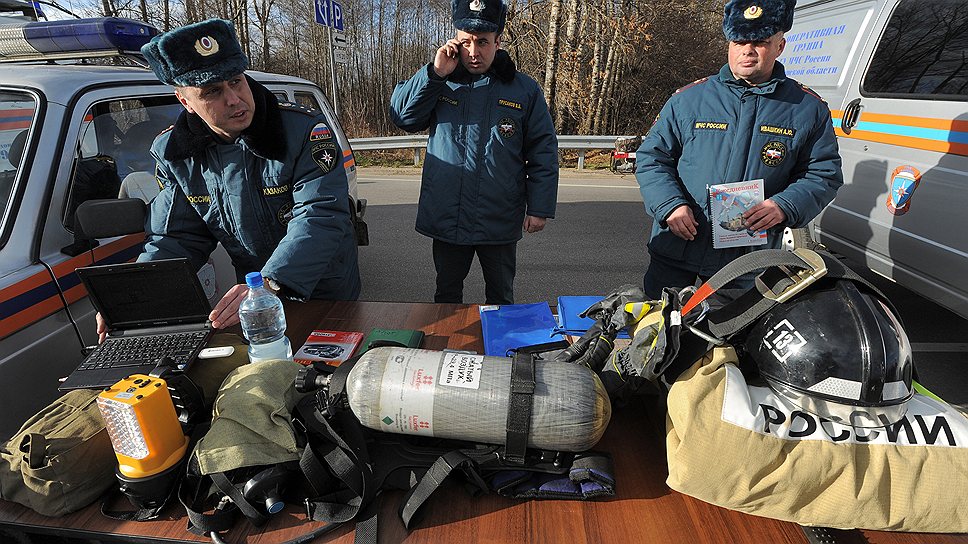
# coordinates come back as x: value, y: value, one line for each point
x: 592, y: 349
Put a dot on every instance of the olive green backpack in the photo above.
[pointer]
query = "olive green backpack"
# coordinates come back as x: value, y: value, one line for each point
x: 61, y: 460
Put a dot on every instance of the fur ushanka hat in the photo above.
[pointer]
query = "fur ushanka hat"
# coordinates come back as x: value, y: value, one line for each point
x: 197, y: 54
x: 479, y: 15
x: 754, y: 20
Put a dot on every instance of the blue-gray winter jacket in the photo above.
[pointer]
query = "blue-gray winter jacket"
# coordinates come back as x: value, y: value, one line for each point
x: 719, y: 130
x: 277, y: 199
x: 492, y: 155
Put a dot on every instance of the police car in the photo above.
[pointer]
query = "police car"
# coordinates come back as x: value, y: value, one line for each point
x: 75, y: 128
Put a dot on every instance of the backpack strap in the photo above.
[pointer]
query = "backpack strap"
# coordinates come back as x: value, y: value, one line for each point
x: 334, y: 463
x: 194, y: 492
x: 34, y: 445
x: 786, y: 274
x: 224, y: 485
x: 434, y: 477
x: 519, y: 407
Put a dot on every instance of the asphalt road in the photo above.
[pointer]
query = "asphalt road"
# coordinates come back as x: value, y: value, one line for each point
x: 596, y: 243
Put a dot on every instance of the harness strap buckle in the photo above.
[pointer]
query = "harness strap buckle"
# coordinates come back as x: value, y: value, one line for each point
x: 801, y: 279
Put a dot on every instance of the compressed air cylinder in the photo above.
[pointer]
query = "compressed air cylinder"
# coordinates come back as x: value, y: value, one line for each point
x: 465, y: 397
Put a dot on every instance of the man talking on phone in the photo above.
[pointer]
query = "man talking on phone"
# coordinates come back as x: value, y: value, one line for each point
x: 491, y: 170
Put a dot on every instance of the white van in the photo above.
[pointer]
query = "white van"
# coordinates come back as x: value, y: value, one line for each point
x: 895, y: 74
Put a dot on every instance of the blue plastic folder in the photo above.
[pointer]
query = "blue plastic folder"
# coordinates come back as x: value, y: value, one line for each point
x: 511, y: 326
x: 569, y: 308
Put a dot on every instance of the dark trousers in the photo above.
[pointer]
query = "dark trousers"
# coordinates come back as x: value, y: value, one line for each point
x: 453, y: 262
x: 664, y: 272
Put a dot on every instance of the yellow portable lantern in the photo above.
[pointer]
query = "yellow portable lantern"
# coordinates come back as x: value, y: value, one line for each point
x: 147, y: 437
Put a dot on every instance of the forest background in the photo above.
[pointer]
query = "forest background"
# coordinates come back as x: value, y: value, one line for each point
x: 606, y: 66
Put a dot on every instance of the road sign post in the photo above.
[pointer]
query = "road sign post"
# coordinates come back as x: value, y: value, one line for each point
x: 329, y: 13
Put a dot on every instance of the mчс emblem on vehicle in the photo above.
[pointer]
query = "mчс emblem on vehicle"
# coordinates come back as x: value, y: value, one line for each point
x: 904, y: 180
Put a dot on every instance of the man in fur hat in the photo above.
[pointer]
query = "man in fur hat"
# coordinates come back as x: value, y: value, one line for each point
x: 748, y: 122
x: 491, y: 170
x: 264, y: 179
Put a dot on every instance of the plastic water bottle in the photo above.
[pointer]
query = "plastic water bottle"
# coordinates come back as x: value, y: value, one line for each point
x: 263, y: 322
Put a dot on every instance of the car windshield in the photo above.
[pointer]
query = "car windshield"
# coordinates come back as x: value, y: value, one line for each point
x: 17, y: 112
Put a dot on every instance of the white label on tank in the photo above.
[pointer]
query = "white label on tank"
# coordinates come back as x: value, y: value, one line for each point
x: 461, y: 370
x: 407, y: 394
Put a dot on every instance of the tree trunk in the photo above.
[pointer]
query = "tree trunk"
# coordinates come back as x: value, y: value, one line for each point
x: 551, y: 56
x: 601, y: 102
x: 595, y: 87
x: 571, y: 65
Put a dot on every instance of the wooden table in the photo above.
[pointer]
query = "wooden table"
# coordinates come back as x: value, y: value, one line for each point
x: 644, y: 510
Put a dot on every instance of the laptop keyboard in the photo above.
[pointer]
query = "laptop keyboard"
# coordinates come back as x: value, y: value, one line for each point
x: 140, y: 350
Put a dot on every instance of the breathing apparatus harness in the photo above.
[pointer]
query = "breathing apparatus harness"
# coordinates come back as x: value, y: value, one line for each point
x: 344, y: 466
x: 689, y: 322
x: 349, y: 465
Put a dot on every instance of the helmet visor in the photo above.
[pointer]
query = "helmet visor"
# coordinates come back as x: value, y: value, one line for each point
x: 862, y: 417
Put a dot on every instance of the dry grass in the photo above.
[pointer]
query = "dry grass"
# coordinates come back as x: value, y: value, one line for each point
x: 397, y: 158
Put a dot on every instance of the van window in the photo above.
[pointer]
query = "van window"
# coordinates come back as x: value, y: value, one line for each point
x: 17, y: 112
x: 922, y: 52
x: 307, y: 100
x: 113, y: 158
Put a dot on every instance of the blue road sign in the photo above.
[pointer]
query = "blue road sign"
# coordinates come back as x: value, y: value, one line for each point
x: 322, y: 11
x: 336, y: 16
x: 329, y: 13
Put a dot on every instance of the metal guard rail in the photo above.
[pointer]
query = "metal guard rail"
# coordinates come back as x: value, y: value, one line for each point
x: 419, y: 141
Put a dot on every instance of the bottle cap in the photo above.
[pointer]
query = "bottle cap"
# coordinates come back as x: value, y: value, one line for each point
x: 253, y: 279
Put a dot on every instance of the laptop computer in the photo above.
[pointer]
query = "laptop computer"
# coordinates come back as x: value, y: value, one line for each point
x: 152, y: 310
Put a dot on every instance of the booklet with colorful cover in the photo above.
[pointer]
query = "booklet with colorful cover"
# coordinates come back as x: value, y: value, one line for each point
x: 727, y: 204
x: 331, y: 347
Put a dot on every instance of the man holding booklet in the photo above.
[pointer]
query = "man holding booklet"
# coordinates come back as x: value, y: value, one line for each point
x: 734, y: 155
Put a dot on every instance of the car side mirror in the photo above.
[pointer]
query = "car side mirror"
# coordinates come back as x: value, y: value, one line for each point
x: 105, y: 218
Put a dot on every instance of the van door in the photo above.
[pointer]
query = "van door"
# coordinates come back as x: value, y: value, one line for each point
x: 111, y: 159
x: 903, y: 135
x: 38, y: 342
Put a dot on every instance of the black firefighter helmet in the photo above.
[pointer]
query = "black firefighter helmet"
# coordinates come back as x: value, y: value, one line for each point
x: 838, y: 353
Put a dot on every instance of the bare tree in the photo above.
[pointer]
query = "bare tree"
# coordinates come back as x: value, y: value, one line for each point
x: 551, y: 55
x: 262, y: 12
x: 605, y: 66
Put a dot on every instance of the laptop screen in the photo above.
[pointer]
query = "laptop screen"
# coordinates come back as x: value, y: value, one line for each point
x: 157, y: 293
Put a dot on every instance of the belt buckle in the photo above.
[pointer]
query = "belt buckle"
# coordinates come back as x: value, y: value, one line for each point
x: 801, y: 279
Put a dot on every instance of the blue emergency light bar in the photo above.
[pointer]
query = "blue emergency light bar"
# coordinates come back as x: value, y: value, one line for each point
x: 75, y: 38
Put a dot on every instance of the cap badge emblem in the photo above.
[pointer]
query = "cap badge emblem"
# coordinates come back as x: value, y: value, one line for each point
x: 206, y: 46
x: 753, y: 12
x: 476, y: 5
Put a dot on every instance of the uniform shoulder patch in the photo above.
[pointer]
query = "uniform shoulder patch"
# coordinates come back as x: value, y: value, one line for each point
x: 292, y: 106
x: 326, y: 155
x: 693, y: 84
x: 320, y: 131
x: 811, y: 92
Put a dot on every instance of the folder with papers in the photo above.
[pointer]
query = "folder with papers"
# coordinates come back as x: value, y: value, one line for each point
x: 510, y: 326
